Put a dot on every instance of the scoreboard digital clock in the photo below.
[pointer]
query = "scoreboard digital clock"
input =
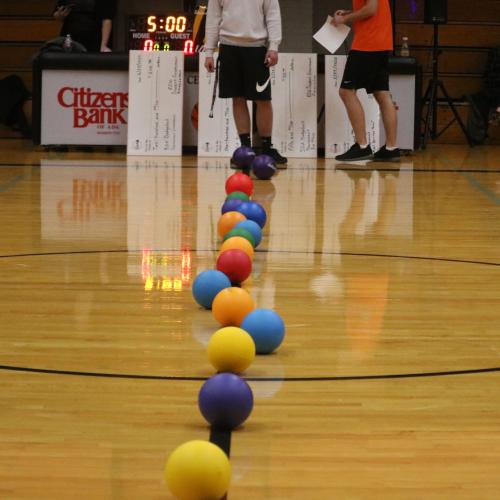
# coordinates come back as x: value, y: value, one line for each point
x: 173, y: 31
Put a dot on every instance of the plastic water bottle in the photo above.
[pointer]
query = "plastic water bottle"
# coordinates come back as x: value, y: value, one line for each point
x: 405, y: 48
x: 68, y: 44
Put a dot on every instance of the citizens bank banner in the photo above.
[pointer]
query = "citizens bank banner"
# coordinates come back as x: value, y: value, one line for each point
x: 295, y: 105
x: 156, y: 86
x: 339, y: 136
x: 217, y: 136
x: 84, y: 107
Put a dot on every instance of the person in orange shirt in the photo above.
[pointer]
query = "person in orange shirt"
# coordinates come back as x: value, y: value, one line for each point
x: 368, y: 67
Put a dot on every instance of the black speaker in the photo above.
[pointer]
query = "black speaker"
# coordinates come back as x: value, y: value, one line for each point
x: 436, y: 12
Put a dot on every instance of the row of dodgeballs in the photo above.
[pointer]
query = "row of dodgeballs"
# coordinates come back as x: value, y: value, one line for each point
x: 200, y: 469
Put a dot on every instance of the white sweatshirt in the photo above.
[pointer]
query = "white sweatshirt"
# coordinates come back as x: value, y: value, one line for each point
x: 246, y: 23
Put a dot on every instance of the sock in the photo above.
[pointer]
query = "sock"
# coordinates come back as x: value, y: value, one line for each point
x: 245, y: 140
x: 267, y: 143
x: 363, y: 146
x: 391, y: 149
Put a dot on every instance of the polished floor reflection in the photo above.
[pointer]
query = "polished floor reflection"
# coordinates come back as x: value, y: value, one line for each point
x: 387, y: 277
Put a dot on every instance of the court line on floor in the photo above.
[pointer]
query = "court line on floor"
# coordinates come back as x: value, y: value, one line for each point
x: 173, y: 378
x: 288, y: 252
x: 477, y: 185
x: 451, y: 170
x: 222, y: 439
x: 10, y: 184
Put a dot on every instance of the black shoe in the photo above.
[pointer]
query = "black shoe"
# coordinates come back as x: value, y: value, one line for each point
x: 281, y: 161
x: 356, y: 153
x: 384, y: 154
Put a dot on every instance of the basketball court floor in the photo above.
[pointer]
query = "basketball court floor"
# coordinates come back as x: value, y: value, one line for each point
x: 387, y: 277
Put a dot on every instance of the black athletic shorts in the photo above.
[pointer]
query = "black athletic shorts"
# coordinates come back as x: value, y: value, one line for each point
x: 243, y: 73
x: 366, y: 70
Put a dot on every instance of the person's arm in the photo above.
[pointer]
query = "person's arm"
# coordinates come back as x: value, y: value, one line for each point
x: 107, y: 26
x: 214, y: 17
x: 106, y: 10
x: 61, y: 12
x: 348, y: 17
x: 272, y: 15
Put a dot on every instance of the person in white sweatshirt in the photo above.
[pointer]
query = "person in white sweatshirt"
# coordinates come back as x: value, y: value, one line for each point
x: 248, y: 34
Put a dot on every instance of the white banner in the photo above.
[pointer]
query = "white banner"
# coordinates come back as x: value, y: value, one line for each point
x: 156, y: 88
x: 403, y: 89
x: 190, y: 125
x: 295, y: 104
x: 84, y: 107
x: 217, y: 136
x: 339, y: 136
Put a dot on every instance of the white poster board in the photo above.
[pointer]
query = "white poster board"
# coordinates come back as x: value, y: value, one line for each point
x: 217, y: 136
x: 156, y: 91
x: 84, y: 107
x: 190, y: 125
x: 403, y: 88
x: 339, y: 136
x: 295, y: 105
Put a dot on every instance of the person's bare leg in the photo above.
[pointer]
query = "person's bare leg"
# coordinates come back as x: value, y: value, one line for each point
x: 241, y: 115
x: 389, y: 117
x: 264, y: 118
x: 355, y: 113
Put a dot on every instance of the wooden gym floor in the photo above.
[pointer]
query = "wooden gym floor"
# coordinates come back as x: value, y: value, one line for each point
x: 388, y: 279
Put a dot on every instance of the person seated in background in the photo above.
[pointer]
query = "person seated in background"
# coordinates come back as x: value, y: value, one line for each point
x: 484, y: 109
x: 89, y: 22
x: 15, y: 105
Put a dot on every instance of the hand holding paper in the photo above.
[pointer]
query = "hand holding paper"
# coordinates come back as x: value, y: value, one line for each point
x: 330, y: 36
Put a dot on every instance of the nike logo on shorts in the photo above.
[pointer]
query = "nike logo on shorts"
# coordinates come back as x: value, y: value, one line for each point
x: 261, y: 88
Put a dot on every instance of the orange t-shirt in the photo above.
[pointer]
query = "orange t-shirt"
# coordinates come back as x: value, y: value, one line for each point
x: 375, y: 32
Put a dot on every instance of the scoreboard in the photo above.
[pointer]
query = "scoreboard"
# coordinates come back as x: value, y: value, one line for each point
x: 184, y: 31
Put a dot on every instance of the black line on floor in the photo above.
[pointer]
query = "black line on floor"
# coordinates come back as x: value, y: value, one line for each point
x: 222, y: 439
x: 288, y: 252
x: 320, y: 168
x: 250, y: 379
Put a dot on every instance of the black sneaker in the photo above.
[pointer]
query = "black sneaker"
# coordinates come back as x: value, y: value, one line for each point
x: 356, y: 153
x: 281, y: 161
x: 384, y: 154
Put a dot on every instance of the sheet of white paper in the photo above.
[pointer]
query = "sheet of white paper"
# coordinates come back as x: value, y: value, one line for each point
x: 330, y: 36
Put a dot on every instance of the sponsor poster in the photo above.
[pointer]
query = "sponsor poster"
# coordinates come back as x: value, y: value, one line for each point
x: 217, y: 136
x: 295, y: 105
x: 84, y: 107
x: 190, y: 122
x: 339, y: 136
x: 403, y: 88
x: 156, y: 87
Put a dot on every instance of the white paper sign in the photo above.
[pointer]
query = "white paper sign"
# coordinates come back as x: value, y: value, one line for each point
x: 330, y: 36
x: 84, y: 107
x: 156, y: 89
x: 339, y: 136
x: 403, y: 89
x: 295, y: 104
x: 217, y: 136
